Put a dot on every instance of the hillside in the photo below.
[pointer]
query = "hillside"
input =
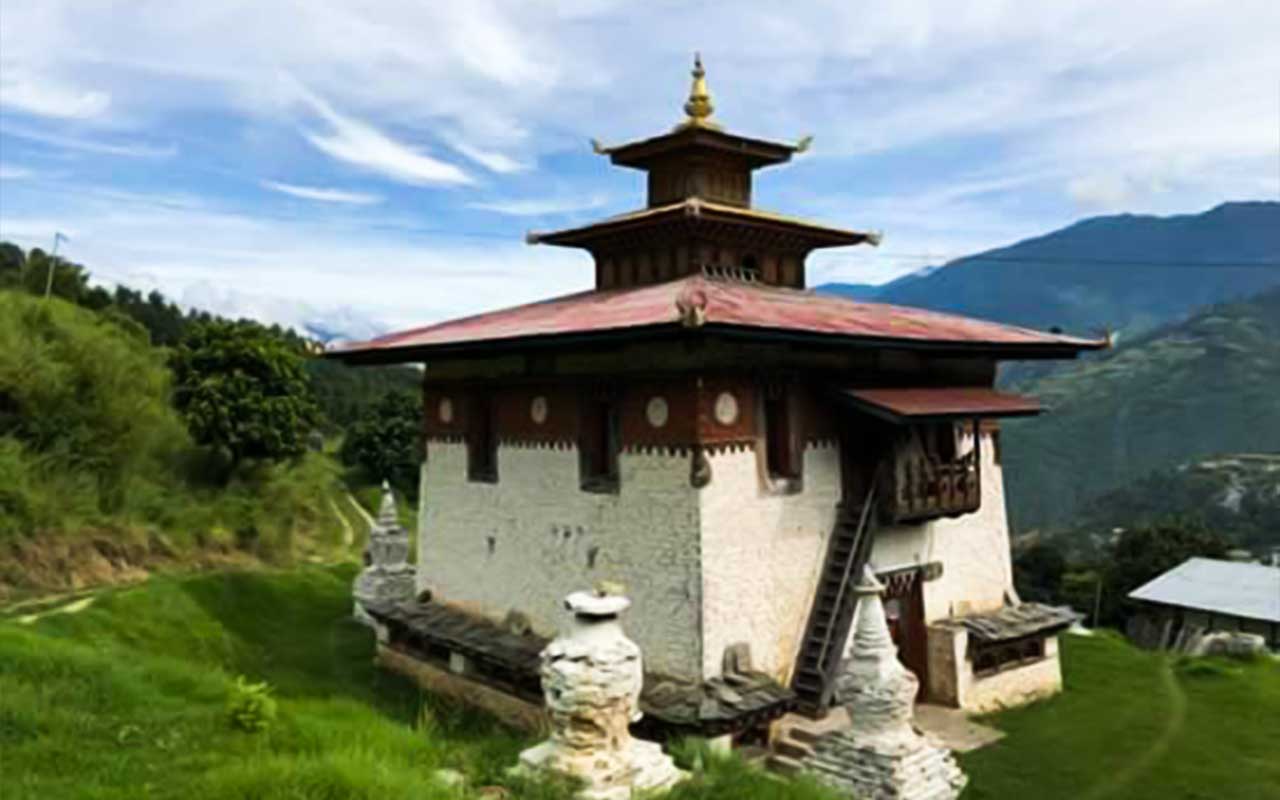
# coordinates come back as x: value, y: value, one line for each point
x: 1105, y: 271
x: 100, y: 477
x: 1237, y: 495
x: 1177, y: 394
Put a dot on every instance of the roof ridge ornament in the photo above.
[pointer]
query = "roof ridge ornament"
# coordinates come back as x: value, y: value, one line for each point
x: 699, y: 106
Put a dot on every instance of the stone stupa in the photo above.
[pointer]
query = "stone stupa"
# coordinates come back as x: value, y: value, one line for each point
x: 591, y: 680
x: 388, y: 577
x: 882, y: 757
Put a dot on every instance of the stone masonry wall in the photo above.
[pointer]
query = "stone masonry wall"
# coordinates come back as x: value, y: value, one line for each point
x: 526, y: 541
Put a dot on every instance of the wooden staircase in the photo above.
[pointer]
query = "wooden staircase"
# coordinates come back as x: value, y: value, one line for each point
x: 833, y: 608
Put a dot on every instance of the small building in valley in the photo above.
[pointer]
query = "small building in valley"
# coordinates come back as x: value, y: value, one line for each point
x: 728, y: 445
x: 1205, y: 595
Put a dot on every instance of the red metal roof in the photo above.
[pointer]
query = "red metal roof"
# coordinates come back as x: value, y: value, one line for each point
x: 714, y: 304
x: 947, y: 402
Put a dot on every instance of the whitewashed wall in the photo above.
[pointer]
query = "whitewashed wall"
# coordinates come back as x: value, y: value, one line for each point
x: 762, y: 555
x: 543, y: 528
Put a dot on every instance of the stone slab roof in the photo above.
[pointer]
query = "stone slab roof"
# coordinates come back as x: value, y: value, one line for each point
x: 671, y: 706
x: 1221, y: 587
x: 1016, y: 622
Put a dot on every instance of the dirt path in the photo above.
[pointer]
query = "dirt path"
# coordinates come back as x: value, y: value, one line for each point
x: 348, y: 533
x: 1116, y: 785
x: 365, y: 515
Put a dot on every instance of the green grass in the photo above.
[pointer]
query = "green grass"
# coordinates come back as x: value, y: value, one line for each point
x: 1133, y: 725
x: 128, y: 699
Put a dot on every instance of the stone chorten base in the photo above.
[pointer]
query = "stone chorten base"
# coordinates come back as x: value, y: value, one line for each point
x: 591, y: 679
x: 643, y: 768
x: 882, y: 757
x: 916, y: 771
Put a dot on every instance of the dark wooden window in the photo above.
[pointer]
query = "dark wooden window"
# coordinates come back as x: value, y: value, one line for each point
x: 598, y: 442
x: 782, y: 457
x: 992, y: 657
x: 482, y: 442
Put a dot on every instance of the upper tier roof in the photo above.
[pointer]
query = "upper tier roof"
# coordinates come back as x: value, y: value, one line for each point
x: 694, y: 208
x: 712, y: 305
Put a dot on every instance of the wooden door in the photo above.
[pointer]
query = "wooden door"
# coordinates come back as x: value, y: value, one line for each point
x: 904, y: 610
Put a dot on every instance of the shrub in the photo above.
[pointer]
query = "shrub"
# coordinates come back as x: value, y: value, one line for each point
x: 251, y: 708
x: 386, y: 442
x: 241, y: 387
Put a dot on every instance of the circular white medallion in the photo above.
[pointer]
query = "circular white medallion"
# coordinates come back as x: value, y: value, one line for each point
x: 538, y: 409
x: 446, y: 410
x: 726, y: 408
x: 657, y: 412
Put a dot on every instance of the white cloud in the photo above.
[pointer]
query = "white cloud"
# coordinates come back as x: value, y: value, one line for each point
x: 538, y: 207
x: 45, y: 98
x: 363, y: 145
x: 324, y: 195
x: 496, y: 162
x: 13, y: 172
x: 109, y: 148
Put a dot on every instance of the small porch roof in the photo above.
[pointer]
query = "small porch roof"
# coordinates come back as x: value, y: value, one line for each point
x: 903, y: 406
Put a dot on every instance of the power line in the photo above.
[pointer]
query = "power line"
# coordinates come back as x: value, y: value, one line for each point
x: 1114, y: 262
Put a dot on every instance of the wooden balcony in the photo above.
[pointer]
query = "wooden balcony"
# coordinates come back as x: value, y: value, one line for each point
x: 925, y: 488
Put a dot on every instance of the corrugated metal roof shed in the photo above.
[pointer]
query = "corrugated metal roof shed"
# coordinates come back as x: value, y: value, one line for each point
x: 1222, y: 587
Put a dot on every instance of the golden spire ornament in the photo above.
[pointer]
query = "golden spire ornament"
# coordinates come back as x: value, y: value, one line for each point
x: 698, y: 106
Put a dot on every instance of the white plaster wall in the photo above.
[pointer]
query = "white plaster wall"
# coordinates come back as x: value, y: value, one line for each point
x: 763, y: 554
x: 977, y: 568
x: 543, y: 527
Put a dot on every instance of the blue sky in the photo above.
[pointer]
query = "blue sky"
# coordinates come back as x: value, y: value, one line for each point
x: 377, y: 164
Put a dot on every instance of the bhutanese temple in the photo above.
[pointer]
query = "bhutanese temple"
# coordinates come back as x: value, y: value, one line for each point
x: 727, y: 446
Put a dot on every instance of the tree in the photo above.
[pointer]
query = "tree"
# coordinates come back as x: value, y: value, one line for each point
x: 12, y: 262
x: 70, y: 280
x: 1038, y: 571
x: 386, y: 442
x: 244, y: 390
x: 1141, y: 554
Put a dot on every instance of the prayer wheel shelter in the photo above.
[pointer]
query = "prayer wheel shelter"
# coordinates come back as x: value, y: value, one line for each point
x: 729, y: 446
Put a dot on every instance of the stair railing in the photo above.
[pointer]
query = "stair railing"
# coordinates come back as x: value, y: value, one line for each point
x: 857, y: 557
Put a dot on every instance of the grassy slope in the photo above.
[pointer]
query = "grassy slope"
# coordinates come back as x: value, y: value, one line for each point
x: 1202, y: 387
x: 126, y: 699
x: 1131, y: 725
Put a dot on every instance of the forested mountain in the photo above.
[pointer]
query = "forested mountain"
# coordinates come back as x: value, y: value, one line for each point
x: 1126, y: 272
x: 1181, y: 393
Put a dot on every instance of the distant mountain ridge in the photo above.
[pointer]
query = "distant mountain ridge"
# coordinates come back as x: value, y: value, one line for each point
x: 1183, y: 392
x: 1126, y: 272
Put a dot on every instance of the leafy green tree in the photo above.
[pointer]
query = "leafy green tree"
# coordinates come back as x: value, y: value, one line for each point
x: 12, y: 261
x: 1141, y: 554
x: 386, y: 442
x: 70, y: 281
x: 244, y: 390
x: 1038, y: 571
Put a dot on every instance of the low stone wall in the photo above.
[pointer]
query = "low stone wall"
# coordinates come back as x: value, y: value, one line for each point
x: 511, y: 710
x: 952, y: 682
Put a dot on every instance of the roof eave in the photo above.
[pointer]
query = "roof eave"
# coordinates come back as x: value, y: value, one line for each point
x: 1001, y: 351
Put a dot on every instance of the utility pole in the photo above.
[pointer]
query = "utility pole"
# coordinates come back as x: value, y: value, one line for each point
x: 53, y: 263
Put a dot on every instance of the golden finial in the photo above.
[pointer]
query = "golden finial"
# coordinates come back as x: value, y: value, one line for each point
x: 699, y: 107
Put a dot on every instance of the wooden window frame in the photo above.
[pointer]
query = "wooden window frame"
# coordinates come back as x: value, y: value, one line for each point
x: 599, y: 443
x: 783, y: 462
x: 1004, y: 656
x: 482, y: 439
